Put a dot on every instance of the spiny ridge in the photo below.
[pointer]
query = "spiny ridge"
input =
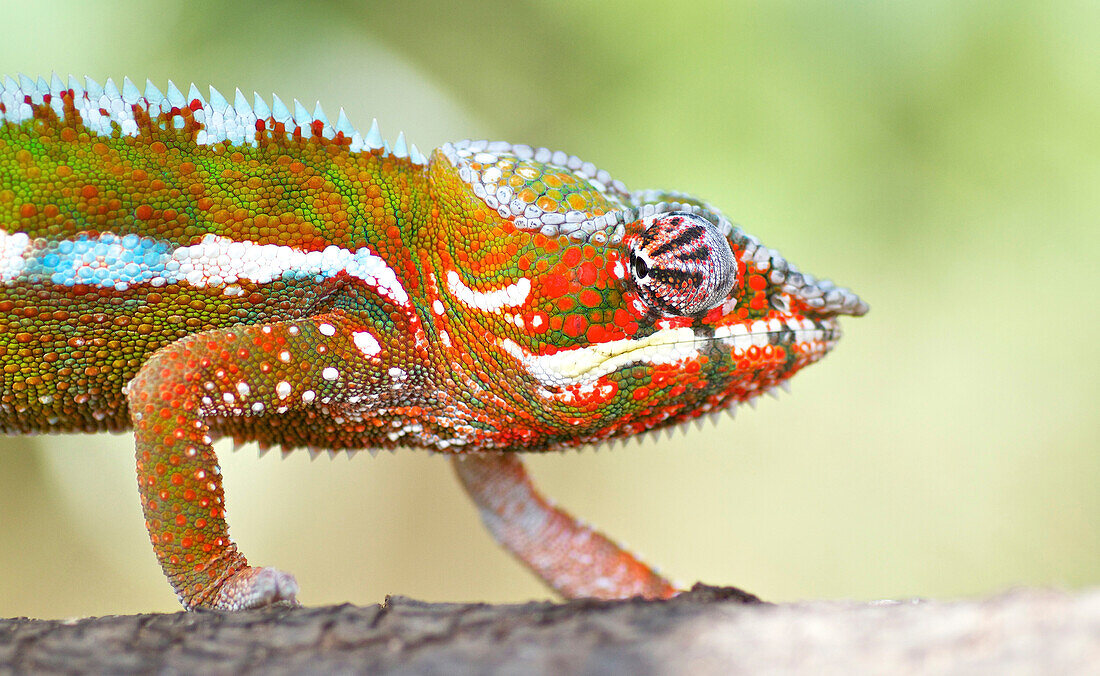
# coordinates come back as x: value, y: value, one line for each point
x: 106, y: 108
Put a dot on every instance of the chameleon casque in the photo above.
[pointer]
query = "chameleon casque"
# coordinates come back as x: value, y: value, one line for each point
x: 193, y: 269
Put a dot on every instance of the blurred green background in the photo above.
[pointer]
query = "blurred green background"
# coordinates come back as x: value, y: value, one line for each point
x: 942, y: 158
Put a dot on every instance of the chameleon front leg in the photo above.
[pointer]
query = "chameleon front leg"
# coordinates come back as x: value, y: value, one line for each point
x: 232, y: 372
x: 571, y: 557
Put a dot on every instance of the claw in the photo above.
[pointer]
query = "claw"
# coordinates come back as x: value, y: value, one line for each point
x: 256, y: 588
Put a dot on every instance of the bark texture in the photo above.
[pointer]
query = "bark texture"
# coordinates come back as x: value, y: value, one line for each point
x: 706, y: 631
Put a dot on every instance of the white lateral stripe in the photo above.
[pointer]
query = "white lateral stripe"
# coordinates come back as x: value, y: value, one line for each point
x: 513, y: 295
x: 110, y: 261
x: 585, y: 364
x: 216, y: 260
x: 13, y: 248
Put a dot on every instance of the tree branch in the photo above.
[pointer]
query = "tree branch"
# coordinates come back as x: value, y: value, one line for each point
x: 708, y: 630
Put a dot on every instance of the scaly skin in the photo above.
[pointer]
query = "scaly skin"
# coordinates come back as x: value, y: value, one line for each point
x: 192, y: 270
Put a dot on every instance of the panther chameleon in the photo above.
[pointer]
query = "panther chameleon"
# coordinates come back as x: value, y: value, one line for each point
x: 192, y: 268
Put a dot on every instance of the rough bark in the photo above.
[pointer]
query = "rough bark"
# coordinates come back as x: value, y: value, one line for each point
x: 709, y: 630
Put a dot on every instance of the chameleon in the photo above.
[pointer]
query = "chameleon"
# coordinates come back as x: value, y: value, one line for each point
x: 192, y: 268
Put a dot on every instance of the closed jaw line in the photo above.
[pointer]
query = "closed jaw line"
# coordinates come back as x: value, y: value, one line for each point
x: 666, y: 346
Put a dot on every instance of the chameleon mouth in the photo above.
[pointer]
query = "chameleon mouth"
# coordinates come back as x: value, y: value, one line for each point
x: 585, y: 364
x: 810, y: 334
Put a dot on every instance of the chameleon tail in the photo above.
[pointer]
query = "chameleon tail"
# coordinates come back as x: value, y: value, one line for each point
x: 569, y: 556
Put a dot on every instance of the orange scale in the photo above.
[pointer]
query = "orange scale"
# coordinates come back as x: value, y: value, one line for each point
x: 590, y: 298
x: 596, y: 333
x: 587, y: 273
x: 575, y: 325
x: 577, y: 201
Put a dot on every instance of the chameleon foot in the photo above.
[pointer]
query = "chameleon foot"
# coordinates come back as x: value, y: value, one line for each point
x: 255, y: 588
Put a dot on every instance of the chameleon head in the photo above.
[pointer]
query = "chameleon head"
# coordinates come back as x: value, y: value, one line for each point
x: 618, y: 311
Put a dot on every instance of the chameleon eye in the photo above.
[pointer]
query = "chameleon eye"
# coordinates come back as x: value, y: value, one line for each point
x: 640, y: 267
x: 681, y: 264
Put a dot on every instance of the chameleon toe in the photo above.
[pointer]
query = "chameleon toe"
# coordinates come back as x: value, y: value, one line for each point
x: 256, y: 588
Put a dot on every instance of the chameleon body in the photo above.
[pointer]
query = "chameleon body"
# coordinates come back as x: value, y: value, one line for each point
x: 192, y: 269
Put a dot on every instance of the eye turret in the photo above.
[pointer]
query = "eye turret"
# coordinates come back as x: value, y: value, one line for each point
x: 681, y: 264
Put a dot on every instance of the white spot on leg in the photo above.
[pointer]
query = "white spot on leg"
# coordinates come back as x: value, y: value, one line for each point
x: 326, y: 329
x: 330, y: 374
x: 283, y: 389
x: 366, y: 343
